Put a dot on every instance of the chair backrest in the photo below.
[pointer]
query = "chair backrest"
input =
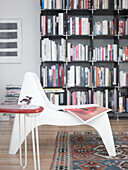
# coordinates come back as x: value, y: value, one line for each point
x: 32, y: 87
x: 44, y: 96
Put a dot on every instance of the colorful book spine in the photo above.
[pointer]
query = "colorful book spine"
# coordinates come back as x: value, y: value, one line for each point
x: 42, y: 4
x: 126, y: 104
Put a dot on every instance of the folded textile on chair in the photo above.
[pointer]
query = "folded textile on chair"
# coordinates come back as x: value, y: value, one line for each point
x: 87, y: 112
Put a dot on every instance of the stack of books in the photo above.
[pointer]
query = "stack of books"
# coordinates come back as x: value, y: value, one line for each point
x: 11, y: 97
x: 12, y: 94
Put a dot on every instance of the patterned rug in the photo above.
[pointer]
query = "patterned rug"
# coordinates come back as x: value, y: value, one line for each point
x: 80, y: 151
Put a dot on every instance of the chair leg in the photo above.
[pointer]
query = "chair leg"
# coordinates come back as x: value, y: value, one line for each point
x: 102, y: 125
x: 23, y: 166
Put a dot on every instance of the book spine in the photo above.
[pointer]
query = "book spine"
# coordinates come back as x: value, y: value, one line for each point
x: 126, y: 104
x: 120, y: 103
x: 42, y: 4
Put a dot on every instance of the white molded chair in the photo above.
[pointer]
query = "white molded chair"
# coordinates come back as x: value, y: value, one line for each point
x: 51, y: 116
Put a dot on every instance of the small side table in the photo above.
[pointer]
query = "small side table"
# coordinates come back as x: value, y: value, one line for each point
x: 29, y: 111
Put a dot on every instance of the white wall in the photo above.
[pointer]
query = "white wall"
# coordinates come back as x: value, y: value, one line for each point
x: 28, y: 12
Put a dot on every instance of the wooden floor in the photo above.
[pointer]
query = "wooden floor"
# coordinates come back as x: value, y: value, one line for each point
x: 47, y: 136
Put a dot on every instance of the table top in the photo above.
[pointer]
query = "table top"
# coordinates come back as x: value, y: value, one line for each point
x: 25, y: 109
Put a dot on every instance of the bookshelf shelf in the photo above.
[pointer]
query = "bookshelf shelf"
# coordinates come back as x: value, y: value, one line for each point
x: 111, y: 62
x: 79, y: 62
x: 53, y: 62
x: 124, y: 37
x: 92, y: 60
x: 52, y: 11
x: 104, y: 37
x: 79, y: 12
x: 79, y: 37
x: 121, y: 112
x: 104, y: 87
x: 80, y: 88
x: 123, y: 12
x: 105, y: 12
x: 123, y: 87
x: 53, y: 36
x: 54, y: 88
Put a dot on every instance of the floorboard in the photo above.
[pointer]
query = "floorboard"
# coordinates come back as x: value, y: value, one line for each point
x: 47, y: 137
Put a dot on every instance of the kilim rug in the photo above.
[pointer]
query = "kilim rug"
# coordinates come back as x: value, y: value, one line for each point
x: 80, y: 151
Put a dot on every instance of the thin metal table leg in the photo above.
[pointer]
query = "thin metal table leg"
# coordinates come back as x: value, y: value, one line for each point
x: 37, y: 145
x: 21, y: 163
x: 34, y: 153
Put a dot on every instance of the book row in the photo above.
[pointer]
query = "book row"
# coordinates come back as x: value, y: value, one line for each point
x: 56, y: 25
x: 82, y: 4
x: 60, y: 51
x: 108, y: 53
x: 79, y: 4
x: 52, y: 51
x: 123, y: 102
x: 123, y: 78
x: 123, y: 27
x: 78, y: 76
x: 74, y: 4
x: 104, y: 99
x: 78, y: 26
x: 79, y: 97
x: 101, y: 4
x: 103, y: 76
x: 53, y: 76
x: 123, y: 53
x: 78, y: 52
x: 53, y: 25
x: 55, y: 98
x: 105, y: 27
x: 53, y: 4
x: 122, y: 4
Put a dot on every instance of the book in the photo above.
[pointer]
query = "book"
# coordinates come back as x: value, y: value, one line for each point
x: 120, y: 104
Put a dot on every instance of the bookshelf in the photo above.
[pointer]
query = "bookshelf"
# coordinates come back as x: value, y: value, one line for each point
x: 84, y: 51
